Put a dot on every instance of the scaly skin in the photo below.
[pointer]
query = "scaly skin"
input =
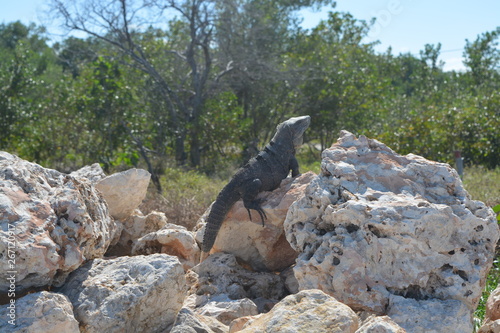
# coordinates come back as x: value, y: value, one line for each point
x: 262, y: 173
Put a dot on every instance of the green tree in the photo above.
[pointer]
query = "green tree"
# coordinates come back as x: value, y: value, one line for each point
x: 482, y: 58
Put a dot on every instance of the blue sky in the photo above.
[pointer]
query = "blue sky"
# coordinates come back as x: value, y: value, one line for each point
x: 405, y: 25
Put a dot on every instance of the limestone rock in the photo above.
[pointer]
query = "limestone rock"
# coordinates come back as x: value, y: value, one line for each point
x: 42, y: 312
x: 134, y: 227
x: 124, y: 191
x: 490, y: 326
x: 190, y: 322
x: 221, y: 274
x: 431, y: 315
x: 92, y: 173
x: 380, y: 324
x: 238, y: 324
x: 264, y: 248
x: 51, y: 223
x: 491, y: 322
x: 127, y: 294
x: 493, y: 305
x: 291, y: 283
x: 226, y: 310
x: 307, y: 311
x: 375, y: 225
x: 172, y: 239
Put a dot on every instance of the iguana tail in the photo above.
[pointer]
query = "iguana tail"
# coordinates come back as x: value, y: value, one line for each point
x: 225, y: 200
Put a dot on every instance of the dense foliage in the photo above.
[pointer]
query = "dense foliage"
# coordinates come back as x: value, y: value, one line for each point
x: 202, y: 84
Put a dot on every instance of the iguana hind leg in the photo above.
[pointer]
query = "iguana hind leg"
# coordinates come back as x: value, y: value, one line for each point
x: 250, y: 201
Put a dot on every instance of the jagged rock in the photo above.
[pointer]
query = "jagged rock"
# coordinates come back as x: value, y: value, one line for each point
x: 380, y: 324
x: 238, y: 324
x: 124, y: 191
x: 493, y: 305
x: 226, y: 310
x: 375, y: 225
x: 92, y: 173
x: 190, y: 322
x: 431, y: 315
x: 127, y: 294
x: 291, y: 283
x: 491, y: 322
x: 51, y: 223
x: 134, y: 227
x: 172, y: 239
x: 264, y: 248
x: 42, y: 312
x: 490, y: 326
x: 306, y: 311
x: 221, y: 274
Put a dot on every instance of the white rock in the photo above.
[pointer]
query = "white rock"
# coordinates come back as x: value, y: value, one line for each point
x: 134, y: 227
x: 124, y: 191
x: 221, y: 274
x: 375, y: 225
x: 491, y: 322
x: 172, y: 239
x: 190, y: 322
x: 51, y: 223
x: 42, y: 312
x: 430, y: 316
x: 380, y: 324
x: 226, y: 310
x: 307, y: 311
x: 264, y: 248
x: 92, y: 173
x: 127, y: 294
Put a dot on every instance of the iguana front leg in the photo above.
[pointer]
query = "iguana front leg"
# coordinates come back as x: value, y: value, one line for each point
x: 294, y: 166
x: 249, y: 199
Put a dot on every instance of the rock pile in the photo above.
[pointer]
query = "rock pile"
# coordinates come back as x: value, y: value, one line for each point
x: 378, y: 242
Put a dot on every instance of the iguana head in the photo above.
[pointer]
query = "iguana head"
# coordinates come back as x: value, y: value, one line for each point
x: 292, y: 129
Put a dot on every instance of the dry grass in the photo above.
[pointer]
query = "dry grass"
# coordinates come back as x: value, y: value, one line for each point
x: 186, y: 196
x: 483, y: 184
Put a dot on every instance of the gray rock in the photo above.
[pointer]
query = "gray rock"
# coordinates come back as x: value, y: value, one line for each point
x: 221, y: 274
x: 42, y: 312
x: 127, y: 294
x: 50, y: 223
x: 171, y: 239
x: 380, y: 324
x: 226, y: 310
x: 307, y: 311
x: 190, y: 322
x: 375, y: 225
x: 92, y: 173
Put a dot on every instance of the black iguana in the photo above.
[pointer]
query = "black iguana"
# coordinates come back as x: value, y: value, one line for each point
x: 262, y: 173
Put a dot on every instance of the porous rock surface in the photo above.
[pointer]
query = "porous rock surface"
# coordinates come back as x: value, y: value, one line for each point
x: 124, y: 191
x: 127, y: 294
x: 52, y: 221
x: 41, y: 312
x: 383, y: 232
x: 263, y: 247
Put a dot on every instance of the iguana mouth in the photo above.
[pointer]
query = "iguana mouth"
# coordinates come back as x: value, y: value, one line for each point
x: 299, y: 126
